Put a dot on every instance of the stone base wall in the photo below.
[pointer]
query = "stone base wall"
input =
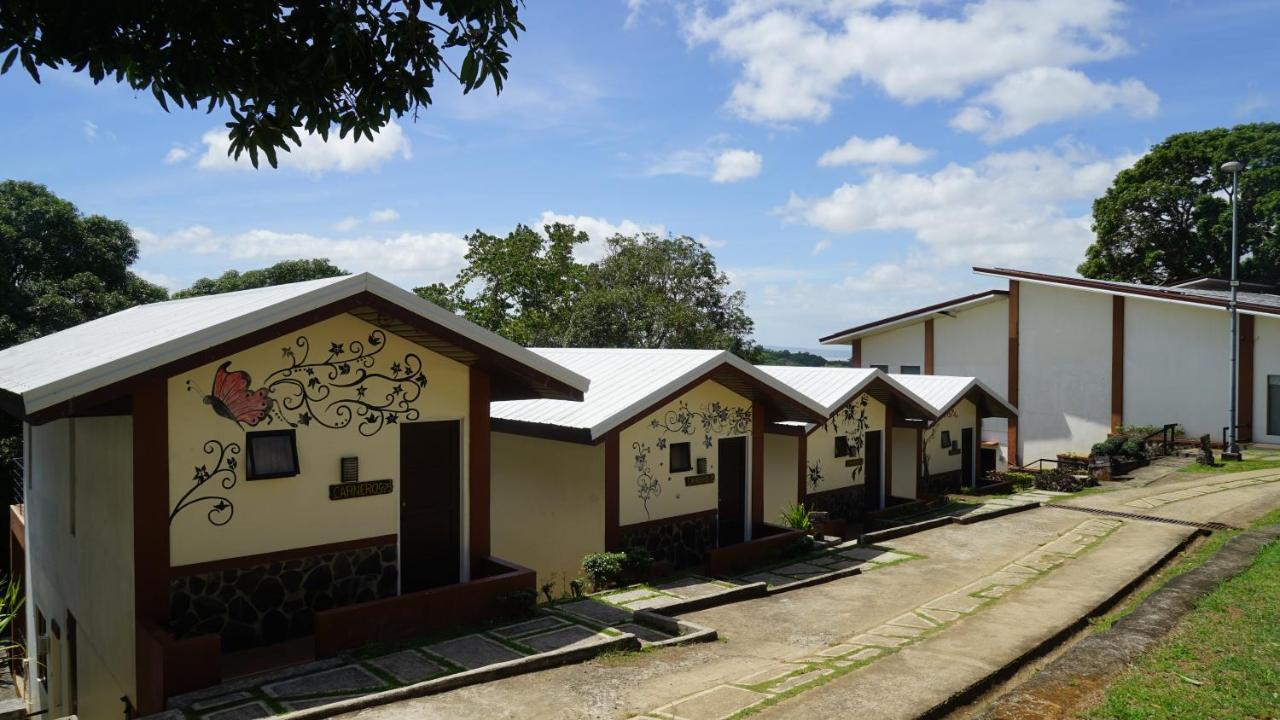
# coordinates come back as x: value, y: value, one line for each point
x: 271, y: 602
x: 844, y: 504
x: 939, y: 484
x: 680, y: 541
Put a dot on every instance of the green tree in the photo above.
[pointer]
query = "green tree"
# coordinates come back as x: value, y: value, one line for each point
x: 1169, y: 217
x: 770, y: 356
x: 276, y: 66
x: 521, y: 286
x: 61, y: 268
x: 656, y: 292
x: 287, y: 271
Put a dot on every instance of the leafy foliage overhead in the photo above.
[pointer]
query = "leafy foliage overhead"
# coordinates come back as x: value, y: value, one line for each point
x: 287, y: 271
x: 647, y: 292
x: 1168, y: 217
x: 276, y: 66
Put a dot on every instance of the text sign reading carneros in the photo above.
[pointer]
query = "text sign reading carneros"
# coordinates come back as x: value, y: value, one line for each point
x: 352, y: 490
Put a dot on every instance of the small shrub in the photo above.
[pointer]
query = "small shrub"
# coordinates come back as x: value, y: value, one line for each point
x: 548, y: 589
x: 520, y: 603
x: 1019, y: 479
x: 636, y: 562
x: 575, y: 587
x: 604, y: 568
x: 1120, y: 448
x: 796, y: 517
x: 1060, y: 481
x: 802, y: 545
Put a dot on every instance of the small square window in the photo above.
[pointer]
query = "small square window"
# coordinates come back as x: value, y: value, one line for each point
x: 842, y: 446
x: 272, y: 454
x: 681, y: 458
x: 946, y: 438
x: 910, y: 369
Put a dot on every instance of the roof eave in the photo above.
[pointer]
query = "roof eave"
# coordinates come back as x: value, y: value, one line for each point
x: 912, y: 317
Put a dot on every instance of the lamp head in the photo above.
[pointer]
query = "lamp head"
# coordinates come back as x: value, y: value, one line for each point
x: 1232, y: 166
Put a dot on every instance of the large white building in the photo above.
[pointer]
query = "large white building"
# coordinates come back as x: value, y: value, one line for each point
x: 1081, y: 357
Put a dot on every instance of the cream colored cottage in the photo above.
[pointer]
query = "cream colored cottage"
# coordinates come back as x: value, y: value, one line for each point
x: 224, y: 483
x: 667, y: 451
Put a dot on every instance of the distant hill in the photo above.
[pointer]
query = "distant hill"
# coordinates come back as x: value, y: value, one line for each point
x: 770, y: 356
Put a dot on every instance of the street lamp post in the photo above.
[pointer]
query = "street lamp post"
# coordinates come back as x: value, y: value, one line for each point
x: 1232, y: 451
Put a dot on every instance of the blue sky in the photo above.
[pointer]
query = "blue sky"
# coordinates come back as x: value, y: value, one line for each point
x: 844, y: 159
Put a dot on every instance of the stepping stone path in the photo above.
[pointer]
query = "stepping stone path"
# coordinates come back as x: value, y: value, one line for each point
x: 765, y: 686
x: 1152, y: 502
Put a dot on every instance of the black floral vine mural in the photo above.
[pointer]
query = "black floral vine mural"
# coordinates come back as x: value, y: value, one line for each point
x: 647, y: 486
x: 714, y: 419
x: 815, y: 474
x: 851, y: 422
x: 344, y: 387
x: 222, y: 474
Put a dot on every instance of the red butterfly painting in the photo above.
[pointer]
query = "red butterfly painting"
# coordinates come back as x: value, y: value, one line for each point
x: 232, y: 399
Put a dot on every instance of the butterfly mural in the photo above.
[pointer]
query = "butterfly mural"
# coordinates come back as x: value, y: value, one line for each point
x: 232, y: 398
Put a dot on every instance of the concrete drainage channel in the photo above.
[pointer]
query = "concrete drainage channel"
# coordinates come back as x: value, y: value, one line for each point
x: 1210, y: 526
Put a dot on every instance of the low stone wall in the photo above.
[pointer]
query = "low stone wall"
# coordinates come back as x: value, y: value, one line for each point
x: 681, y: 541
x: 845, y: 503
x: 270, y: 602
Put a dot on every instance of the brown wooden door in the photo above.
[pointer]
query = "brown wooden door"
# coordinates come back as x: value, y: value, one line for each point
x: 966, y: 457
x: 731, y: 481
x: 430, y: 504
x: 872, y: 469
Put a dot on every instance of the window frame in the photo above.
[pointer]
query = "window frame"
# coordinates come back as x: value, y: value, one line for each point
x: 842, y: 440
x: 909, y: 370
x: 250, y: 472
x: 671, y: 457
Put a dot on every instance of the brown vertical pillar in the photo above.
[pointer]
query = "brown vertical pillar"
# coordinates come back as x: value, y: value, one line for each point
x: 886, y: 459
x: 928, y: 346
x: 1015, y: 453
x: 802, y: 467
x: 757, y: 466
x: 919, y: 461
x: 479, y: 462
x: 1117, y: 362
x: 612, y: 534
x: 855, y: 348
x: 150, y: 531
x: 1244, y: 385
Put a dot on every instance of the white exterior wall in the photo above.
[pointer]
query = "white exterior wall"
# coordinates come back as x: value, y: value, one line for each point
x: 975, y: 343
x: 895, y: 348
x: 781, y: 468
x: 903, y: 483
x: 84, y: 466
x: 1176, y: 366
x: 942, y: 460
x: 1266, y: 361
x: 1064, y: 361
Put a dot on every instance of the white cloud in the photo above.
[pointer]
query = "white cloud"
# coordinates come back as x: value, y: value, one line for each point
x: 735, y: 165
x: 1037, y: 96
x: 176, y: 154
x: 315, y: 155
x: 884, y: 150
x: 194, y: 238
x: 598, y: 230
x: 347, y: 224
x: 634, y: 8
x: 89, y: 129
x: 168, y: 282
x: 384, y: 215
x: 797, y: 57
x: 712, y: 243
x: 820, y: 247
x: 1006, y: 208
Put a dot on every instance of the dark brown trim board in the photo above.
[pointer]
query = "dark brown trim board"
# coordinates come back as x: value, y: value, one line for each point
x: 757, y: 466
x: 1014, y: 295
x: 279, y: 556
x: 886, y: 458
x: 1244, y: 386
x: 612, y: 507
x: 919, y: 458
x: 1117, y: 362
x: 928, y: 346
x: 542, y: 431
x: 673, y: 519
x: 479, y: 461
x: 855, y: 352
x: 150, y: 530
x: 945, y: 305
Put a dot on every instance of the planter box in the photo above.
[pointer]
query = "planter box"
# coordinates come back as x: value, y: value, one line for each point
x: 733, y: 559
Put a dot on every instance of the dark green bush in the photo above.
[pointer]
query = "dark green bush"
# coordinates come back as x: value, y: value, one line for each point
x: 802, y: 545
x: 520, y: 603
x: 604, y: 568
x: 1120, y: 448
x: 637, y: 562
x: 1060, y: 481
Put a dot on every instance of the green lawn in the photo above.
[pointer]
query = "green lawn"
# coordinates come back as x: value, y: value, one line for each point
x: 1223, y: 659
x: 1253, y: 460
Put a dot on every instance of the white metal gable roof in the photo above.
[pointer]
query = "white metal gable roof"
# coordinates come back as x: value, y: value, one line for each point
x: 830, y: 386
x: 66, y: 364
x: 941, y: 392
x: 624, y: 382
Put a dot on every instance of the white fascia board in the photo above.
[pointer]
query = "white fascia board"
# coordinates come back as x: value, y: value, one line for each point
x: 913, y: 319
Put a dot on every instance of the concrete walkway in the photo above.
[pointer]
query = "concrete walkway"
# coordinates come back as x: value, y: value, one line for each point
x: 805, y: 653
